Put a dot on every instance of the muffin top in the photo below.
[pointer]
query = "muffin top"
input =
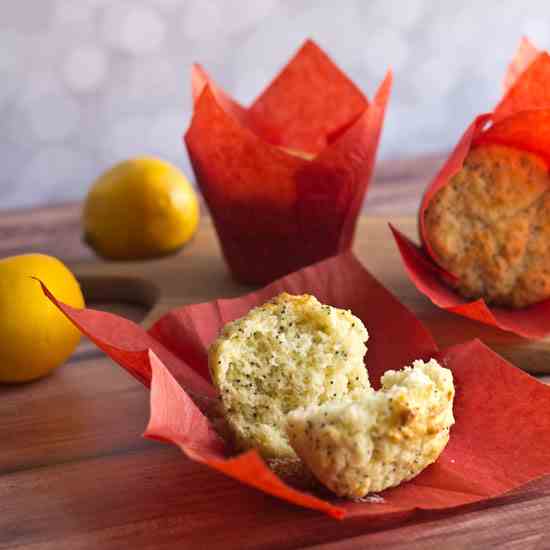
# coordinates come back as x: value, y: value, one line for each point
x: 490, y: 227
x: 288, y: 353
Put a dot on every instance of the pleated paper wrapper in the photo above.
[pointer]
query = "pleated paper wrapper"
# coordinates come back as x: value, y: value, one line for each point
x: 521, y: 120
x: 285, y: 179
x: 501, y: 439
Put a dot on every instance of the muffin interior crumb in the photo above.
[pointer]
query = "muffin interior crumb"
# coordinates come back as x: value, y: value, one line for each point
x: 291, y: 352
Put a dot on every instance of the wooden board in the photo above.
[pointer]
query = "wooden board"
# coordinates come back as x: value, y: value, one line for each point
x: 75, y: 474
x: 199, y: 274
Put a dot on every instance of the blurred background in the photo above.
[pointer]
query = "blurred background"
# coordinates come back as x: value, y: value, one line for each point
x: 86, y: 83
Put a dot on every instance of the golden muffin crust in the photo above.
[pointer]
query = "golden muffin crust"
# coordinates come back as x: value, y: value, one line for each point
x: 290, y: 352
x: 490, y: 227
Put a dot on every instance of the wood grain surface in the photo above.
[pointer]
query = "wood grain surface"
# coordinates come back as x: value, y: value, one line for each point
x: 75, y: 473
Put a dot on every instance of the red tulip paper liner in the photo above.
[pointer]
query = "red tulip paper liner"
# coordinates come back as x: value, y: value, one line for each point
x: 501, y: 439
x: 521, y: 120
x: 275, y: 211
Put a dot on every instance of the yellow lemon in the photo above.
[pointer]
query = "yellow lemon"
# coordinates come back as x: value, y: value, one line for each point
x: 141, y: 208
x: 35, y: 337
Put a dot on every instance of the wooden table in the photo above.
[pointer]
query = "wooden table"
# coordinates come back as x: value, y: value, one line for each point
x: 75, y: 474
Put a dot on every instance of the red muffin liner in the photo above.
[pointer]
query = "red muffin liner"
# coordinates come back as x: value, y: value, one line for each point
x: 521, y: 120
x: 274, y: 211
x: 501, y: 439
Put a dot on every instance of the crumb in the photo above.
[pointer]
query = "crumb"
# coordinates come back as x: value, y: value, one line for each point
x: 288, y: 353
x: 372, y: 499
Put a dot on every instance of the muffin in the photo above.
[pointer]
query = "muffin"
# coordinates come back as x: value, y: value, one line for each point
x: 490, y: 227
x: 386, y: 437
x: 289, y: 353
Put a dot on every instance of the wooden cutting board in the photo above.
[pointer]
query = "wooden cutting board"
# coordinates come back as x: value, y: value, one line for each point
x: 75, y: 474
x: 199, y: 274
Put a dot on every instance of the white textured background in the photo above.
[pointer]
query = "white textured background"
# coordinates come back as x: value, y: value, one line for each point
x: 86, y: 83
